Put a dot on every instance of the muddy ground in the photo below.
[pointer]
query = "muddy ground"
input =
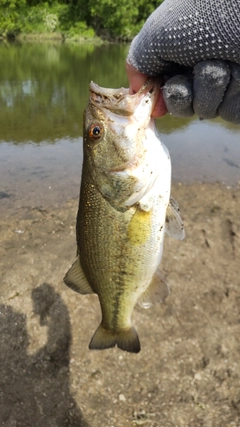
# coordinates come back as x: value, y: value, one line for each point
x: 188, y: 371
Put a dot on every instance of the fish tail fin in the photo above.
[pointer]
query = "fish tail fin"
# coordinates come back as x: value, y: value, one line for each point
x: 126, y: 340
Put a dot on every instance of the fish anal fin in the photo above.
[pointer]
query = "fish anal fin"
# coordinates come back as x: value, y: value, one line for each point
x: 126, y: 340
x: 76, y: 279
x: 157, y: 291
x: 173, y: 224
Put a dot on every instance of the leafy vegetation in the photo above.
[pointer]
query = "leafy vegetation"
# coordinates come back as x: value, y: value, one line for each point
x: 105, y: 18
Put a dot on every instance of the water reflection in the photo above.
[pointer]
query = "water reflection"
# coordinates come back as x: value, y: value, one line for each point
x: 44, y: 88
x: 204, y: 151
x: 43, y: 92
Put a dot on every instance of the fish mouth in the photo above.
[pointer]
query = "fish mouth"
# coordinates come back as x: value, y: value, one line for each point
x: 120, y: 101
x: 126, y: 115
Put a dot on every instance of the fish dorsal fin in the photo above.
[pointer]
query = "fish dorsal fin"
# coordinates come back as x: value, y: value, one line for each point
x: 174, y: 225
x: 157, y: 291
x: 76, y: 279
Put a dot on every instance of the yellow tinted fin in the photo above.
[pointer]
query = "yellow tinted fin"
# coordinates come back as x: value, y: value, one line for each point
x: 157, y: 291
x: 76, y: 280
x: 174, y: 225
x: 126, y: 340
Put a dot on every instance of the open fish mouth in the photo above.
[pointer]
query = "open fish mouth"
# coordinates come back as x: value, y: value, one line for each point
x: 126, y: 118
x: 120, y: 101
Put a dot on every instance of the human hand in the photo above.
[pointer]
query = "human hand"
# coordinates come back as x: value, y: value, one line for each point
x: 136, y: 81
x: 177, y: 40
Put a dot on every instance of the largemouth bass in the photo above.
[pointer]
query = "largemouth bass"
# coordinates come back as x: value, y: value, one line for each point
x: 124, y: 210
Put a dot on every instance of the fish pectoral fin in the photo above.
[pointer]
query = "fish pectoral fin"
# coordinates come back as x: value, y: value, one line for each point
x: 76, y: 279
x: 126, y: 340
x: 173, y: 224
x: 157, y: 291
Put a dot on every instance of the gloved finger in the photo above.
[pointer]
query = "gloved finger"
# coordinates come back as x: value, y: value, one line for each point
x: 210, y: 81
x: 178, y: 96
x: 230, y: 107
x: 200, y: 94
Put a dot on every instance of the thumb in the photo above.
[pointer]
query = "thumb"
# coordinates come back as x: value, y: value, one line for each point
x: 136, y: 79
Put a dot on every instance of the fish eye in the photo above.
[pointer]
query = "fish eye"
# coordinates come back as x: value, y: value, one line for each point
x: 95, y: 131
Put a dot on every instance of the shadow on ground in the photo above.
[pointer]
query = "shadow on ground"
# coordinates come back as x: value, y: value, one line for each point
x: 34, y: 389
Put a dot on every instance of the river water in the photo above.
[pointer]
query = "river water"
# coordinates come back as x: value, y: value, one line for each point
x: 43, y: 92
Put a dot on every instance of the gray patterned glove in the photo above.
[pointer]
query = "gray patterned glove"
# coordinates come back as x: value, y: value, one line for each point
x: 197, y: 44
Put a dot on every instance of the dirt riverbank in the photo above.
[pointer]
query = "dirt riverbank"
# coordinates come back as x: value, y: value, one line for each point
x: 188, y: 371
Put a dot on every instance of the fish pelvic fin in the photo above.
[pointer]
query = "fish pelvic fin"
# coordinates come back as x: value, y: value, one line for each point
x: 76, y: 279
x: 174, y: 225
x: 126, y: 340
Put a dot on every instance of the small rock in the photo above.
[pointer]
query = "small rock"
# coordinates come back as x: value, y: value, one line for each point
x: 122, y: 398
x: 198, y: 376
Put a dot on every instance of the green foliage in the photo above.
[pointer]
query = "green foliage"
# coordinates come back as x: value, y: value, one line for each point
x: 117, y: 17
x: 9, y: 16
x: 80, y: 29
x: 12, y: 4
x: 51, y: 21
x: 145, y: 9
x: 75, y: 18
x: 43, y: 18
x: 32, y: 20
